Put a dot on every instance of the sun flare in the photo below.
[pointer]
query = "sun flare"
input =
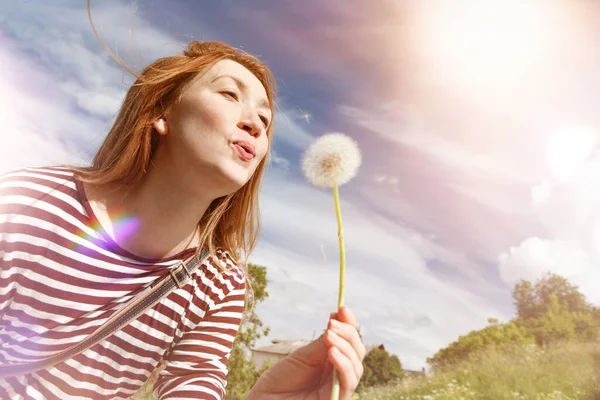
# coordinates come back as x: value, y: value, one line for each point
x: 568, y: 149
x: 486, y: 43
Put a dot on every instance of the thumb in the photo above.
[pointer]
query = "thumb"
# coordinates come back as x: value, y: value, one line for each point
x: 313, y: 353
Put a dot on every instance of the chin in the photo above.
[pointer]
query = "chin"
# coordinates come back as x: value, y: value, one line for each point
x: 234, y: 179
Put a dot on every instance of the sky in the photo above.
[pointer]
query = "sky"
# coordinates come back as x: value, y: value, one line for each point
x: 477, y: 122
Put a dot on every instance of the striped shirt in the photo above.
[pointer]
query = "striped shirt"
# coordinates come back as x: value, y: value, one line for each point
x: 62, y: 276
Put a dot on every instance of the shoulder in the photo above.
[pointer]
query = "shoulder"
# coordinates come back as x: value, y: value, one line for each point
x: 39, y: 178
x: 43, y: 189
x: 230, y: 275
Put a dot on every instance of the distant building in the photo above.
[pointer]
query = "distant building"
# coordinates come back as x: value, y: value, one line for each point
x: 415, y: 374
x: 276, y: 351
x: 280, y: 348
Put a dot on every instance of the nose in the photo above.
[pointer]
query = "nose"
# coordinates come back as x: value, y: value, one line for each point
x: 252, y: 125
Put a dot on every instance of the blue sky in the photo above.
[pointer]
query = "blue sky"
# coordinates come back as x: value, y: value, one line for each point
x: 478, y: 124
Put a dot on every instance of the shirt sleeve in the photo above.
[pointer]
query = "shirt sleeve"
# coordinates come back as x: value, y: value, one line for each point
x: 196, y: 368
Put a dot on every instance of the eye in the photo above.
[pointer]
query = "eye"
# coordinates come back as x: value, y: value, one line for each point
x: 231, y: 94
x: 264, y: 120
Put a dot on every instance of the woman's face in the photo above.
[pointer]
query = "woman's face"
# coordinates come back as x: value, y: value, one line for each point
x: 218, y: 128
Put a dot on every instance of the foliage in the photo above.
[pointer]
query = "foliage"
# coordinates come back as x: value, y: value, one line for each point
x: 561, y: 371
x: 559, y: 324
x: 494, y: 335
x: 533, y: 301
x: 548, y: 311
x: 380, y: 368
x: 242, y: 373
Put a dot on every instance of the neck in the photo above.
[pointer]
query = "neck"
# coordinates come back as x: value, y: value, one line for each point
x: 165, y: 206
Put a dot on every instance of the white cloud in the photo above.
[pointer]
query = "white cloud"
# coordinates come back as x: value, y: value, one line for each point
x: 489, y: 134
x: 279, y: 161
x: 534, y: 256
x: 35, y: 130
x: 570, y: 212
x: 287, y: 129
x: 101, y: 101
x: 568, y: 149
x: 61, y: 37
x: 459, y: 147
x: 569, y: 206
x: 390, y: 289
x: 54, y: 69
x: 541, y: 192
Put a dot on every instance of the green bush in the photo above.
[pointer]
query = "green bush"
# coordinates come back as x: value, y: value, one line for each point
x: 380, y: 368
x: 562, y: 371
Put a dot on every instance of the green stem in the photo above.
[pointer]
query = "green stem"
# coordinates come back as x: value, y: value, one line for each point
x: 338, y: 214
x: 335, y: 390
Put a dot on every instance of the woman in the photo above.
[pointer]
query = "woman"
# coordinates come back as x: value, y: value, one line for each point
x: 179, y: 171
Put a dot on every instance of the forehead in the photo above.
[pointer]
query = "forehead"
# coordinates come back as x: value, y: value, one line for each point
x: 236, y: 70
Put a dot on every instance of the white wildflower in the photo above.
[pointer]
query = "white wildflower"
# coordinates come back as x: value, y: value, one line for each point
x: 332, y: 160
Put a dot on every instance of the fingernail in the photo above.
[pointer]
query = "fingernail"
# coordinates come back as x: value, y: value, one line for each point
x: 335, y: 324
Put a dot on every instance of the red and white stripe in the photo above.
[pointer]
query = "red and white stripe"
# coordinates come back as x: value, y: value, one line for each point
x: 61, y: 276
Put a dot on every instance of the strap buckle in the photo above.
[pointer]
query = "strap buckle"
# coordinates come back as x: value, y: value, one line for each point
x: 176, y: 272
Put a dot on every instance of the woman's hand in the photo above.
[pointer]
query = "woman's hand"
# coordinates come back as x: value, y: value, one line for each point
x: 307, y: 373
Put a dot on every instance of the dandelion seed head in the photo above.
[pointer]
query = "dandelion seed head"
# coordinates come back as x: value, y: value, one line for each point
x: 333, y: 159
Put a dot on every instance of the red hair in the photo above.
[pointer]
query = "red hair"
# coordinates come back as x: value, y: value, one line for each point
x: 232, y: 222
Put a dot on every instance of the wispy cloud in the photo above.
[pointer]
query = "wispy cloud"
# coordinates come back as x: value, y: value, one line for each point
x: 290, y: 131
x: 383, y: 258
x: 60, y: 88
x: 35, y: 130
x: 449, y: 168
x: 570, y: 246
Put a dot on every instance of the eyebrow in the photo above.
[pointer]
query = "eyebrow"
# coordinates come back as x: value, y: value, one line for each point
x: 243, y: 87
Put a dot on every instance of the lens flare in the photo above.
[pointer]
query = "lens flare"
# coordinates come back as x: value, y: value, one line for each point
x: 568, y: 149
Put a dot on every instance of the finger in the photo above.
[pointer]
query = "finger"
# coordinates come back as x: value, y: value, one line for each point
x: 350, y: 334
x: 332, y: 339
x: 347, y: 316
x: 346, y: 374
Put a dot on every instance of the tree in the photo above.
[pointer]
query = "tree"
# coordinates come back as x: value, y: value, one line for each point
x: 550, y: 310
x: 555, y: 310
x: 559, y: 324
x: 380, y: 368
x: 533, y: 301
x: 556, y: 324
x: 478, y: 341
x: 524, y: 299
x: 242, y: 372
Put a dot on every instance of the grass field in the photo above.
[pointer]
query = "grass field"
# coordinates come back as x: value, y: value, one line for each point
x: 562, y: 372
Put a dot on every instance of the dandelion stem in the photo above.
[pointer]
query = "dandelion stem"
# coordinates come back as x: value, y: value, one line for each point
x: 335, y: 390
x: 338, y: 214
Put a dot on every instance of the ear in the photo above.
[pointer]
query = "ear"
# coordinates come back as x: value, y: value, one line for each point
x: 161, y: 126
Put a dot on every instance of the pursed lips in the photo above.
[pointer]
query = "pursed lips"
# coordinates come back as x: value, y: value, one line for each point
x: 245, y: 149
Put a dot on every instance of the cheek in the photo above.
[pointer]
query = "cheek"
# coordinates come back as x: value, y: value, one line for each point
x: 210, y: 116
x: 203, y: 113
x: 264, y: 143
x: 261, y: 152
